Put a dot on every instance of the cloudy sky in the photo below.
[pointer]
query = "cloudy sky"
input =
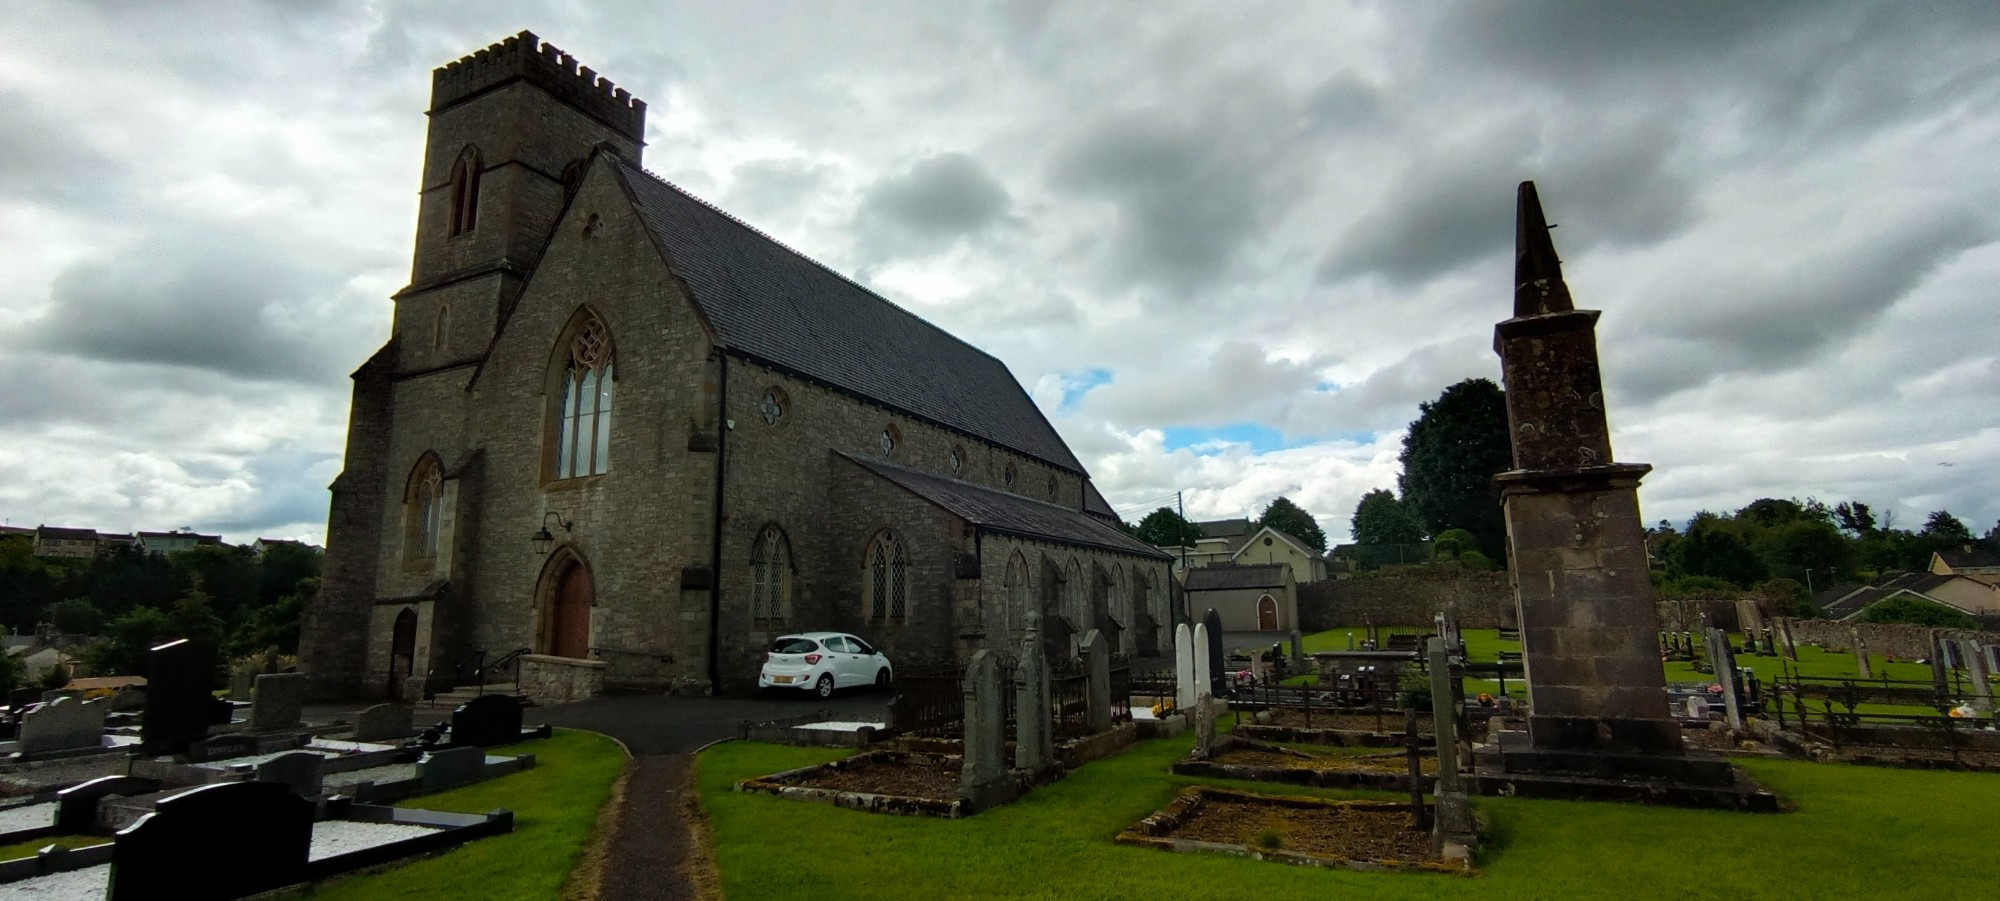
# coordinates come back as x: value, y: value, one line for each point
x: 1229, y: 247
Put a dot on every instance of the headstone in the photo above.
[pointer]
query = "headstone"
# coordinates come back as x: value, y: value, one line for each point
x: 1697, y: 708
x: 179, y: 705
x: 76, y: 806
x: 218, y: 841
x: 1723, y: 659
x: 984, y: 774
x: 65, y: 724
x: 299, y: 770
x: 223, y: 747
x: 276, y: 701
x: 1034, y: 745
x: 54, y: 694
x: 1298, y: 652
x: 1218, y: 674
x: 451, y: 767
x: 487, y: 720
x: 383, y: 722
x: 242, y: 684
x: 1202, y: 680
x: 1097, y: 681
x: 1204, y: 727
x: 1785, y: 644
x: 1861, y: 656
x: 1577, y: 548
x: 1975, y: 664
x: 1452, y: 825
x: 1184, y: 668
x: 131, y: 697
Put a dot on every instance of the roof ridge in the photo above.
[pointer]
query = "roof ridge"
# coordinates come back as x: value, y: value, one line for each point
x: 732, y: 217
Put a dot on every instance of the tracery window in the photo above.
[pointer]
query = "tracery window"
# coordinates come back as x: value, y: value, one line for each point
x: 886, y: 580
x: 465, y: 192
x: 772, y: 408
x: 1073, y: 595
x: 890, y: 438
x: 771, y: 577
x: 583, y: 439
x: 956, y: 461
x: 1017, y: 592
x: 426, y: 509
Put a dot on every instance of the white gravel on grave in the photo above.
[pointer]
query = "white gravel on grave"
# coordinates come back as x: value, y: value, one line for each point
x: 393, y: 772
x: 27, y: 816
x: 1143, y: 713
x: 841, y: 726
x: 331, y: 837
x: 87, y: 884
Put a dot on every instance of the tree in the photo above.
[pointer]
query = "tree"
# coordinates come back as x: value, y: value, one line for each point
x: 1382, y: 519
x: 1918, y: 612
x: 126, y: 640
x: 1293, y: 520
x: 1712, y: 550
x: 12, y: 673
x: 1854, y: 517
x: 1450, y: 456
x: 1165, y: 528
x: 76, y: 616
x: 1458, y: 546
x: 1942, y: 526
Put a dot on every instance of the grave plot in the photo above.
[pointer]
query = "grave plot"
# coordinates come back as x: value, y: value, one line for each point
x: 1357, y: 835
x: 901, y: 782
x: 819, y: 729
x: 1235, y: 757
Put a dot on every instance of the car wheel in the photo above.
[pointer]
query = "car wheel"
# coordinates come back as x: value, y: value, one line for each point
x: 882, y: 678
x: 824, y: 686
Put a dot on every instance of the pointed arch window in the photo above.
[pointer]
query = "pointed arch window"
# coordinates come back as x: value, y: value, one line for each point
x: 425, y: 509
x: 771, y: 577
x: 1017, y: 592
x: 1073, y: 595
x: 583, y: 438
x: 886, y: 580
x: 441, y: 330
x: 465, y: 192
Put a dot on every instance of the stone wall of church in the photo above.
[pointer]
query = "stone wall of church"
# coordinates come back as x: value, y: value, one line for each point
x: 1004, y: 625
x: 859, y: 506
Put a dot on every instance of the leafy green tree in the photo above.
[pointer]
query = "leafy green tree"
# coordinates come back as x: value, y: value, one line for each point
x: 12, y: 673
x: 76, y: 616
x: 274, y: 625
x: 1807, y: 545
x: 1944, y: 527
x: 1382, y: 519
x: 281, y: 570
x: 1165, y: 528
x: 126, y: 640
x: 55, y: 677
x: 1454, y: 448
x: 1293, y: 520
x: 1918, y: 612
x: 1712, y: 550
x: 1854, y: 518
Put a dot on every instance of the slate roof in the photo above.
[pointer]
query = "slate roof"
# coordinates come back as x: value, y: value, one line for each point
x: 58, y: 532
x: 1855, y: 601
x: 1228, y: 578
x: 1225, y: 528
x: 1095, y: 504
x: 1974, y: 557
x: 1011, y: 513
x: 772, y: 304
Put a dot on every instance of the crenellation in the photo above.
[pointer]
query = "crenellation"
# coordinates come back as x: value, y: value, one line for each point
x: 525, y: 57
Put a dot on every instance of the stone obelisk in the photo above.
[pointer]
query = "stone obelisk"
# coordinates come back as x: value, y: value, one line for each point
x: 1577, y: 552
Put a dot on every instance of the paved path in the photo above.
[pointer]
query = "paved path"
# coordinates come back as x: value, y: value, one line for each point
x: 650, y: 850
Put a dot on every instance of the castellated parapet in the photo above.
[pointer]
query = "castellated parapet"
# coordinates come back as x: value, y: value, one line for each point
x: 524, y: 56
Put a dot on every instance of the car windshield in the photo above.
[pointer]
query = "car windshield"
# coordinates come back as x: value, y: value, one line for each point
x: 794, y: 645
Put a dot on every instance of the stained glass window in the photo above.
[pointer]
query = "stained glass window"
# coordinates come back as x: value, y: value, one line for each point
x: 583, y: 440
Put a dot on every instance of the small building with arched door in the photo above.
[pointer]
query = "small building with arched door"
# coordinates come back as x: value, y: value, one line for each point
x: 1261, y: 597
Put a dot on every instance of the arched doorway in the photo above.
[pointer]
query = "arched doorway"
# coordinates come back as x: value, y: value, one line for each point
x: 569, y: 613
x: 1267, y: 614
x: 402, y: 651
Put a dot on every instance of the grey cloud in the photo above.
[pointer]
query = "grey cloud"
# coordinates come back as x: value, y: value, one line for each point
x: 45, y: 159
x: 1388, y: 397
x: 935, y: 202
x: 1236, y: 382
x: 769, y: 188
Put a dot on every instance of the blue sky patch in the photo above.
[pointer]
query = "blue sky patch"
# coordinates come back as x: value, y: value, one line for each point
x: 1261, y: 439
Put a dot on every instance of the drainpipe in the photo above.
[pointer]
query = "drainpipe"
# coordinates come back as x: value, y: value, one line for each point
x: 715, y: 543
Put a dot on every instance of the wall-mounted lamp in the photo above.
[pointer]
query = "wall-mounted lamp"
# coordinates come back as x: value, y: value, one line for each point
x: 544, y: 539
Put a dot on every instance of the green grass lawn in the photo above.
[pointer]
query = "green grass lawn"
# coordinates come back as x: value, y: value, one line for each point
x: 28, y: 849
x: 1857, y: 832
x: 555, y: 807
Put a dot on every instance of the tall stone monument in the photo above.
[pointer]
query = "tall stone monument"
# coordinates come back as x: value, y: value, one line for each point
x: 1577, y: 554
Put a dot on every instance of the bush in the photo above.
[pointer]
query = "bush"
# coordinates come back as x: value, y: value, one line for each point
x: 1918, y: 612
x: 1414, y: 689
x: 55, y: 677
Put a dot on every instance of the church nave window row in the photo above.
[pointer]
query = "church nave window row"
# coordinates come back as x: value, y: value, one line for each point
x: 886, y: 581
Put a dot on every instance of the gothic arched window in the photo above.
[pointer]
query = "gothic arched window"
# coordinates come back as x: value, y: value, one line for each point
x: 771, y: 577
x: 1017, y: 592
x: 465, y: 192
x: 441, y: 330
x: 424, y: 509
x: 885, y: 580
x: 1073, y: 596
x: 583, y: 437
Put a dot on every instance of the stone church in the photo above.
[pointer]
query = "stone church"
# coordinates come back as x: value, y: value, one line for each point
x: 632, y: 438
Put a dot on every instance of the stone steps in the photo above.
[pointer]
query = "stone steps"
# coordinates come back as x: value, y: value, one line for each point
x: 440, y: 707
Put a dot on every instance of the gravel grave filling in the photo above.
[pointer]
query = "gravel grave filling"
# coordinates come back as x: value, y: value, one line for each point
x: 1336, y: 832
x: 914, y: 778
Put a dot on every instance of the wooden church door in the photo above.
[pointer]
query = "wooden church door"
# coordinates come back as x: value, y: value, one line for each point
x: 570, y: 634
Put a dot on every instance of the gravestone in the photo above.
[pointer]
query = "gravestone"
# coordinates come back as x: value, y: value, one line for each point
x: 301, y: 771
x: 1185, y: 688
x: 1218, y: 674
x: 1697, y: 708
x: 76, y: 806
x: 214, y: 842
x: 1034, y: 745
x: 1097, y: 681
x: 276, y: 701
x: 129, y: 698
x: 1785, y: 644
x: 179, y: 705
x: 1723, y: 659
x: 1453, y: 824
x: 1204, y: 727
x: 223, y: 747
x: 1201, y: 664
x: 983, y: 779
x: 487, y: 720
x: 242, y: 685
x: 1975, y: 665
x: 383, y: 722
x: 1298, y: 652
x: 1861, y: 656
x: 451, y: 767
x: 65, y: 724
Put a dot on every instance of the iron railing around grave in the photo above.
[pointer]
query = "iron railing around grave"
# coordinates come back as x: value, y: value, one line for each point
x: 929, y: 703
x: 1121, y: 688
x: 1069, y: 700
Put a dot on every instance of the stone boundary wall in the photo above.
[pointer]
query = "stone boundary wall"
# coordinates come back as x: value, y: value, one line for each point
x: 1896, y: 640
x: 1480, y: 600
x: 560, y: 680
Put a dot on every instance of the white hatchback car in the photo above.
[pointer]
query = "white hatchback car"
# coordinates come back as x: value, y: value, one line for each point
x: 820, y: 662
